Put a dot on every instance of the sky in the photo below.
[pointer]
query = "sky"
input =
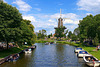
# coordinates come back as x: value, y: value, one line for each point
x: 43, y: 14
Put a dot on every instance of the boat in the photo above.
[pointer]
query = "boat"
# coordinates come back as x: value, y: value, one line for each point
x: 47, y: 43
x: 55, y: 42
x: 82, y: 53
x: 28, y: 50
x: 78, y: 49
x: 13, y: 58
x: 33, y: 47
x: 91, y: 61
x: 51, y: 42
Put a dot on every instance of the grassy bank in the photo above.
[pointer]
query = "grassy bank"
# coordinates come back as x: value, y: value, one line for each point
x: 87, y: 48
x: 44, y: 41
x: 13, y: 50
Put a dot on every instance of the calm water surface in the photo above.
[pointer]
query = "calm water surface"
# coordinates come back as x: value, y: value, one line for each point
x: 48, y: 56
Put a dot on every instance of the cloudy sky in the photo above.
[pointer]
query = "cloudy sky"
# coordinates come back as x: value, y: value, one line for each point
x: 44, y: 13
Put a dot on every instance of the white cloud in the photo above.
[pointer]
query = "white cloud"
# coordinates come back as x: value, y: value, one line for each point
x: 23, y: 6
x: 71, y: 21
x: 38, y: 9
x: 29, y: 17
x: 69, y: 18
x: 48, y: 22
x: 88, y: 13
x: 89, y: 5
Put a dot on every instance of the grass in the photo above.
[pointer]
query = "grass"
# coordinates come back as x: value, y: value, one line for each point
x: 94, y: 53
x: 13, y: 50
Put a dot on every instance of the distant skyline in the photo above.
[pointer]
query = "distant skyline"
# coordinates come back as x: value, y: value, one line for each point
x: 43, y: 13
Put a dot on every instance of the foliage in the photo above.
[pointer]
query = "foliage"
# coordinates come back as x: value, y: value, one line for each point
x: 41, y: 34
x: 59, y: 33
x: 89, y: 27
x: 74, y: 37
x: 49, y: 35
x: 10, y: 20
x: 13, y: 28
x: 96, y: 41
x: 28, y: 34
x: 69, y: 34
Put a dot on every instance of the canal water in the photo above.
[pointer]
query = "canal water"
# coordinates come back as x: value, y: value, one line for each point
x: 54, y: 55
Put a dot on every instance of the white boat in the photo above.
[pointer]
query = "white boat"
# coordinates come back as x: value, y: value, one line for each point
x: 47, y: 43
x: 82, y: 53
x: 91, y: 61
x: 78, y: 49
x: 28, y: 51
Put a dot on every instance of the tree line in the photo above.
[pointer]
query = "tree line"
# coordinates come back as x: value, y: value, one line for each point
x: 13, y: 28
x: 88, y: 30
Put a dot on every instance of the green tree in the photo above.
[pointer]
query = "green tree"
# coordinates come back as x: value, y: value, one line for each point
x: 84, y: 27
x: 49, y: 35
x: 74, y: 37
x: 69, y: 34
x: 13, y: 28
x: 28, y: 34
x: 42, y: 34
x: 59, y: 33
x: 10, y: 20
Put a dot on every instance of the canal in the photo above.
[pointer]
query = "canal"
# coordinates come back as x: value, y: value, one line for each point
x: 54, y: 55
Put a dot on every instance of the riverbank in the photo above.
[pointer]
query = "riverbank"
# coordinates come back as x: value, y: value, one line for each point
x: 91, y: 50
x: 13, y: 50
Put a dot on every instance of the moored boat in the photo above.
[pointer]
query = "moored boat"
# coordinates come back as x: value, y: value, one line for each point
x: 47, y: 43
x: 13, y: 58
x: 91, y: 61
x: 82, y: 53
x: 28, y: 50
x: 78, y: 49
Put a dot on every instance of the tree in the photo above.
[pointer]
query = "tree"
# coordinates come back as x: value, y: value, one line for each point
x: 28, y: 34
x: 69, y: 34
x: 13, y: 28
x: 59, y: 33
x: 10, y: 20
x: 49, y: 35
x: 74, y: 37
x: 89, y: 28
x: 84, y: 27
x: 42, y: 34
x: 76, y: 32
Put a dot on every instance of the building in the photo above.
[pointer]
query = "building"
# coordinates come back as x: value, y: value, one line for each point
x: 60, y: 25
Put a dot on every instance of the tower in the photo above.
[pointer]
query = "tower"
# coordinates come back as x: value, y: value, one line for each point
x: 59, y: 31
x: 60, y: 21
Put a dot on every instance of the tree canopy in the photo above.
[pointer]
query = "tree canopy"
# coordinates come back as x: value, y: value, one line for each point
x: 89, y: 28
x: 12, y: 27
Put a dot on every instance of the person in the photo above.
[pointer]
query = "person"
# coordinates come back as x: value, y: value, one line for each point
x: 89, y: 58
x: 97, y: 48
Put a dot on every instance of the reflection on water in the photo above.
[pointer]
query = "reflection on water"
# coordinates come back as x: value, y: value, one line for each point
x: 48, y: 56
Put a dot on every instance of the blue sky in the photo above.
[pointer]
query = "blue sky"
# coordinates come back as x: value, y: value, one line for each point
x: 43, y: 13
